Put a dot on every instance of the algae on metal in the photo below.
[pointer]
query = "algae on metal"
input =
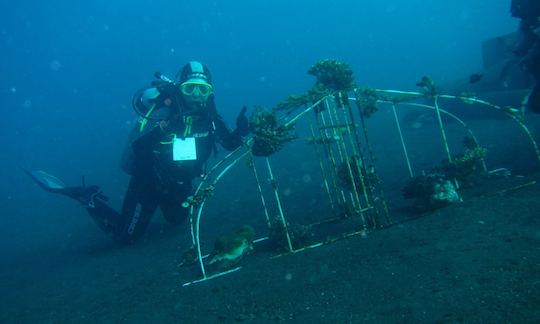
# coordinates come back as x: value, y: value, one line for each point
x: 269, y: 135
x: 332, y: 76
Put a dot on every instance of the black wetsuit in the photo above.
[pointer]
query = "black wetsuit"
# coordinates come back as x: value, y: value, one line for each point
x: 159, y: 181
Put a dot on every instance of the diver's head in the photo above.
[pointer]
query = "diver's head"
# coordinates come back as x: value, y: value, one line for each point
x: 195, y: 84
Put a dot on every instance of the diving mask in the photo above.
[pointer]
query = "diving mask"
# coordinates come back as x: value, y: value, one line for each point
x: 196, y: 89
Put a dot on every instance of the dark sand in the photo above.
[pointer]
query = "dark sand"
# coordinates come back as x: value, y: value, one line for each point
x: 477, y: 261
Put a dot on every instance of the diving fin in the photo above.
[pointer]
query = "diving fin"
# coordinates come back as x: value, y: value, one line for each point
x: 46, y: 181
x: 83, y: 194
x: 91, y: 197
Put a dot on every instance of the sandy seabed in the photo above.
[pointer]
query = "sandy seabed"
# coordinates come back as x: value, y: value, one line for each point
x: 475, y: 261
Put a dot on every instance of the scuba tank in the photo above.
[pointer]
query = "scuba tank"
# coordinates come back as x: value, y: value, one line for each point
x: 148, y: 100
x: 148, y: 103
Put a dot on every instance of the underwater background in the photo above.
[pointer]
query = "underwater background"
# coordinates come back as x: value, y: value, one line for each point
x: 67, y: 75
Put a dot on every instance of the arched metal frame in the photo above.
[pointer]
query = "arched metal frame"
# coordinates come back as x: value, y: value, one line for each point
x: 510, y: 112
x: 332, y: 112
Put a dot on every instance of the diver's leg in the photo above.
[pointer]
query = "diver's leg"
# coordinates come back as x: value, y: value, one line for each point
x: 104, y: 215
x: 171, y: 203
x: 139, y: 205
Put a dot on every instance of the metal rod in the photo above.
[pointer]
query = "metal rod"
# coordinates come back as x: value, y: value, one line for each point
x: 211, y: 277
x: 330, y: 157
x: 263, y: 201
x: 323, y: 174
x: 355, y: 146
x: 443, y: 132
x: 467, y: 128
x: 200, y: 209
x: 340, y: 144
x: 304, y: 111
x: 198, y: 239
x: 372, y: 161
x: 402, y: 140
x: 511, y: 112
x: 354, y: 160
x: 326, y: 242
x: 278, y: 200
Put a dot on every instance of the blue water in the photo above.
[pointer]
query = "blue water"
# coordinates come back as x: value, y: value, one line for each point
x: 69, y: 69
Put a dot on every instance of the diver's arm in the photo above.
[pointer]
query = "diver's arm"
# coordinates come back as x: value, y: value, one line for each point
x: 229, y: 140
x: 232, y: 140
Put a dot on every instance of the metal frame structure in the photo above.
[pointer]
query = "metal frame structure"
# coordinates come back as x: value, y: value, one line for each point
x: 340, y: 140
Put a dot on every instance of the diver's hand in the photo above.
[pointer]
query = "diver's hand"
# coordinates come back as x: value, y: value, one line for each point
x: 242, y: 123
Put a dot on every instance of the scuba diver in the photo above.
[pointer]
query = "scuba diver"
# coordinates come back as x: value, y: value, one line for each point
x: 162, y: 159
x: 528, y: 48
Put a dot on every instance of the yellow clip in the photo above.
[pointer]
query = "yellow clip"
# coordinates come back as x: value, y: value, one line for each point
x: 144, y: 121
x: 171, y: 141
x: 189, y: 122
